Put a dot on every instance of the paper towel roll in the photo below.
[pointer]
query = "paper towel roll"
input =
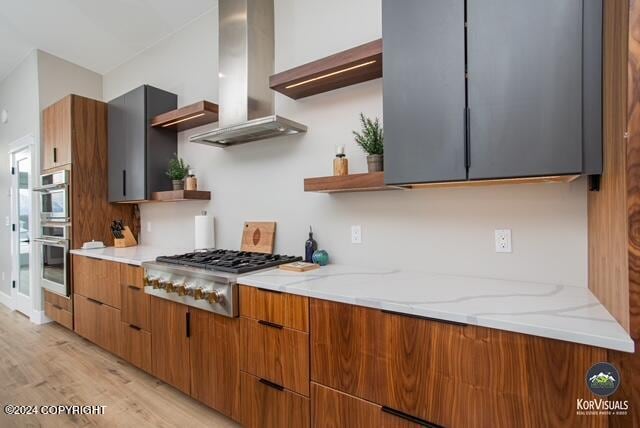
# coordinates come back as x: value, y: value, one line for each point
x: 204, y: 232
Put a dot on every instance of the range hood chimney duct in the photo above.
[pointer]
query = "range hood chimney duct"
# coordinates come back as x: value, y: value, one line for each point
x: 246, y: 60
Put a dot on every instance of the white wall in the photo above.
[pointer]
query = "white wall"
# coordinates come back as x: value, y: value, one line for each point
x: 19, y: 96
x: 441, y: 230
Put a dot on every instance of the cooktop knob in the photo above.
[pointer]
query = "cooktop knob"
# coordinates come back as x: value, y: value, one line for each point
x: 214, y: 296
x: 163, y: 285
x: 155, y: 283
x: 181, y: 289
x: 169, y: 287
x: 145, y: 280
x: 198, y: 294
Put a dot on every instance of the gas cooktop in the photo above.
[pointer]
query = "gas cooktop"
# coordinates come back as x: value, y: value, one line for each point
x: 228, y: 260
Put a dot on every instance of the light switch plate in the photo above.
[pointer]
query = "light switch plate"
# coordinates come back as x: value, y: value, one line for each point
x: 503, y: 240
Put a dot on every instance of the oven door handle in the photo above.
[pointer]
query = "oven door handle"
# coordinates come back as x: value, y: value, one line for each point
x: 50, y: 187
x: 60, y: 243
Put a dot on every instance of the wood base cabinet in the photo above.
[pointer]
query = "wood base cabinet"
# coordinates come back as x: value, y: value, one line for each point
x: 170, y: 343
x: 265, y: 405
x: 447, y: 374
x: 135, y: 346
x: 59, y: 309
x: 98, y: 323
x: 215, y: 367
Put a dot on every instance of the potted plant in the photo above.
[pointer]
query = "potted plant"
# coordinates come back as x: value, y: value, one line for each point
x: 177, y: 171
x: 371, y: 140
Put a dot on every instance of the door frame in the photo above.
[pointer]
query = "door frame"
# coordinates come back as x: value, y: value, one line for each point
x: 16, y: 302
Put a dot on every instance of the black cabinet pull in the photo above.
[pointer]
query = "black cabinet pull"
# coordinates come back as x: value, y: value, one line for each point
x: 55, y: 155
x: 188, y: 324
x: 133, y: 287
x: 420, y: 317
x: 94, y: 301
x: 270, y: 291
x: 57, y: 307
x: 467, y: 137
x: 134, y: 327
x: 270, y: 324
x: 271, y: 384
x: 124, y: 182
x: 409, y: 418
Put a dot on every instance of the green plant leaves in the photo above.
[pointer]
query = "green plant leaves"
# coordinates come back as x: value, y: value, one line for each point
x: 371, y: 139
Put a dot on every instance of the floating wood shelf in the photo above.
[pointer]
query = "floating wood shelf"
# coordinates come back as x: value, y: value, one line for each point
x: 347, y: 183
x: 187, y: 117
x: 375, y: 181
x: 180, y: 195
x: 345, y: 68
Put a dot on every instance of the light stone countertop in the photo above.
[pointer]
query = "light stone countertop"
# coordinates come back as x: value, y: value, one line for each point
x: 131, y: 255
x: 560, y: 312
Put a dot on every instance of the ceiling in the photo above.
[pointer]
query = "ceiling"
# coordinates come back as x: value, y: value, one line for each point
x: 96, y: 34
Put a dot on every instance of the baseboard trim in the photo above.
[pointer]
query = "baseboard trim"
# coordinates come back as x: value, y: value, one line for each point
x: 39, y: 317
x: 6, y: 300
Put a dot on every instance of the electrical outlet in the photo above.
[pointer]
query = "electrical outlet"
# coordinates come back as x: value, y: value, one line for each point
x: 149, y: 226
x: 356, y: 234
x: 503, y: 240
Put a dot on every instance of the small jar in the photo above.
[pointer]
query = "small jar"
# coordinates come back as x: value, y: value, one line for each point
x: 340, y: 163
x: 191, y: 182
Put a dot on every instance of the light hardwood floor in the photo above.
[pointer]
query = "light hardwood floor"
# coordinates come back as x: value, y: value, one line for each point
x: 50, y: 365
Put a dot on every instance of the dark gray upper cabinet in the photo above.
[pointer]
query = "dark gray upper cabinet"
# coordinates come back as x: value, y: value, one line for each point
x: 139, y: 154
x: 532, y: 95
x: 424, y: 92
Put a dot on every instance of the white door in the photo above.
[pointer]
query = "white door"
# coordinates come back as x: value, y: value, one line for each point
x: 22, y: 233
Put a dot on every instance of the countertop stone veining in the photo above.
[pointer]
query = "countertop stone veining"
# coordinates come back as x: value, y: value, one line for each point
x: 131, y: 255
x: 562, y: 312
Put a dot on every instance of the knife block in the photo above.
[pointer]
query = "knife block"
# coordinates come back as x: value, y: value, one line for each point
x: 128, y: 241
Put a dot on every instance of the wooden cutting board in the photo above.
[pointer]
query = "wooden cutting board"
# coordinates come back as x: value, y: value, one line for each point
x: 259, y: 236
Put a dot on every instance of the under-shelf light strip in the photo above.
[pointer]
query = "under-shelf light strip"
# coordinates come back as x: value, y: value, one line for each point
x: 324, y: 76
x: 182, y: 120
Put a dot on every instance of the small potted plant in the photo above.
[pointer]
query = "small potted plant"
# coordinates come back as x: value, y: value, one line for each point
x: 371, y: 140
x: 177, y: 171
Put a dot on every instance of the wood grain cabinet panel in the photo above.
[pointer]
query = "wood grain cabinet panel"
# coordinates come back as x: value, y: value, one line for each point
x: 170, y: 343
x: 335, y: 409
x: 215, y: 368
x: 56, y: 134
x: 98, y: 323
x: 275, y: 353
x: 265, y: 406
x: 135, y: 303
x: 135, y: 346
x: 285, y: 309
x: 97, y: 279
x: 59, y: 315
x: 65, y: 303
x: 448, y: 374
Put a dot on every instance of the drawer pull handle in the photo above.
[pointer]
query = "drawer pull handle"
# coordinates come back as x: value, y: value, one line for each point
x: 270, y: 291
x: 271, y: 384
x: 270, y: 324
x: 57, y: 307
x: 188, y: 324
x: 409, y: 418
x: 134, y: 327
x: 133, y: 287
x: 94, y: 301
x: 420, y: 317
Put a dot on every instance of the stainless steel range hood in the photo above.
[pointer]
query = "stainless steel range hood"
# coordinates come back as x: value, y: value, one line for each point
x: 246, y: 57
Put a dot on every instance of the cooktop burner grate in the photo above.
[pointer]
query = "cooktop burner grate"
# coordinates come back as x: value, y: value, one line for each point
x: 228, y: 260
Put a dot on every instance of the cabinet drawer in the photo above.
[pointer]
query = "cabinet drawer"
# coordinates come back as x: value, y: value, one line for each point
x: 275, y: 353
x: 284, y: 309
x: 451, y: 375
x: 97, y: 322
x: 97, y: 279
x: 59, y: 315
x: 270, y: 406
x: 131, y: 275
x: 331, y: 408
x: 135, y: 346
x: 135, y: 306
x: 64, y: 303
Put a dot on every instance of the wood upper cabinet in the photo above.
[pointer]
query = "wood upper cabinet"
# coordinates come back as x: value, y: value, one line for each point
x: 450, y: 375
x: 138, y: 153
x: 170, y: 343
x: 215, y: 367
x: 515, y: 93
x: 57, y: 134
